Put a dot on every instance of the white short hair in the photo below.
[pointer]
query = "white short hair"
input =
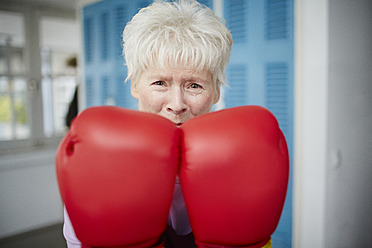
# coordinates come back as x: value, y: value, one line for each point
x: 181, y: 33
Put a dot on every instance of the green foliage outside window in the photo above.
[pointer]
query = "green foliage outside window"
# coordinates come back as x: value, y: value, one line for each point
x: 6, y: 113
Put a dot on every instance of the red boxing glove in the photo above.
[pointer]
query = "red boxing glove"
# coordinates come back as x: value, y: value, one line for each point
x: 116, y: 171
x: 234, y: 176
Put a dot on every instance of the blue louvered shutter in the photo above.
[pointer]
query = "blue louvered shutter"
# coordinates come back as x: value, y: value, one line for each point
x: 236, y: 13
x: 121, y: 15
x: 279, y: 92
x: 260, y: 72
x: 122, y: 12
x: 89, y: 58
x: 96, y: 52
x: 208, y: 3
x: 236, y: 93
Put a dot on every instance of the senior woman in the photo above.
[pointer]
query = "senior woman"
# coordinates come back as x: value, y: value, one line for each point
x: 176, y: 54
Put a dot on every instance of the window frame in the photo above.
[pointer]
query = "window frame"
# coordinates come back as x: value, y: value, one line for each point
x: 32, y: 15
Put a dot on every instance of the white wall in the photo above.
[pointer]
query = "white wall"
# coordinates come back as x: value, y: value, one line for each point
x: 29, y: 196
x: 349, y: 173
x: 311, y: 79
x: 333, y: 146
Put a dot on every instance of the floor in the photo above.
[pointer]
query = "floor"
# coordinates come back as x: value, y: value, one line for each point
x: 49, y: 237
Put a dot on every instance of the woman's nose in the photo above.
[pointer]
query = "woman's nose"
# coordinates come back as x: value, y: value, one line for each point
x: 176, y: 103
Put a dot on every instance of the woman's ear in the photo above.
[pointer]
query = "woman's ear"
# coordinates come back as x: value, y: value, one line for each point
x: 133, y: 89
x: 217, y: 96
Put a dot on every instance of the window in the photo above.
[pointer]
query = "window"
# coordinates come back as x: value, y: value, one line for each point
x: 38, y: 76
x: 14, y: 99
x: 59, y: 49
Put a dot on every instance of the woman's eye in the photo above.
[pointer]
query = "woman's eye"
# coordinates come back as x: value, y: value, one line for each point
x: 160, y: 83
x: 195, y: 86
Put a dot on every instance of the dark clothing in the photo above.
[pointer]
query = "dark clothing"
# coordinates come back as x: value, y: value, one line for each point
x: 173, y: 240
x: 72, y: 109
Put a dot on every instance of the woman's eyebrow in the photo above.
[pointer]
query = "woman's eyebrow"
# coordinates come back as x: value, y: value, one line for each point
x: 183, y: 78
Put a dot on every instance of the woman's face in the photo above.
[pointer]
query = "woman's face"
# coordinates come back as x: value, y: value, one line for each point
x: 177, y: 94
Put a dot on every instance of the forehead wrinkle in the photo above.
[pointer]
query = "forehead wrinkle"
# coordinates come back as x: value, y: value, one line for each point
x: 182, y: 78
x: 159, y: 77
x: 193, y: 78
